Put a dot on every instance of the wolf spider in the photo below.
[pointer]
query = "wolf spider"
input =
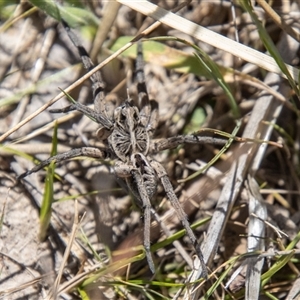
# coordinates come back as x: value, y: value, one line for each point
x: 127, y: 134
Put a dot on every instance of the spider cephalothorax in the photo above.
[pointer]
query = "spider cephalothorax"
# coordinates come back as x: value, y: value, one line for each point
x: 129, y: 135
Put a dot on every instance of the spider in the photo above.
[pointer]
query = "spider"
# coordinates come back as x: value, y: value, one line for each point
x: 127, y: 134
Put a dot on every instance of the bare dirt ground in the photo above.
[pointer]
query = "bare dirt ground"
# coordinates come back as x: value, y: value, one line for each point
x: 37, y: 58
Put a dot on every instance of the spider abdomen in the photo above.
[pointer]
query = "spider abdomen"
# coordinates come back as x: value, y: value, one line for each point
x: 147, y: 174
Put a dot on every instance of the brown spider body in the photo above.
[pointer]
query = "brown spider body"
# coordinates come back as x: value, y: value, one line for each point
x: 128, y: 134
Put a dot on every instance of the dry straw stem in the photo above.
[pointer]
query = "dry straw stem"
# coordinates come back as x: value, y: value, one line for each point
x: 54, y: 293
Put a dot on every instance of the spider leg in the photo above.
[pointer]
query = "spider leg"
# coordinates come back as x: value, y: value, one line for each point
x: 143, y: 98
x: 147, y: 215
x: 85, y: 151
x: 88, y: 112
x: 100, y: 114
x: 62, y: 110
x: 163, y: 176
x: 172, y: 142
x: 149, y: 108
x: 133, y: 176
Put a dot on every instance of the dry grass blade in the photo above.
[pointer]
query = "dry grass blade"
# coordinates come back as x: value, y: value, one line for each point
x: 110, y: 13
x: 256, y: 238
x: 75, y: 227
x: 295, y: 290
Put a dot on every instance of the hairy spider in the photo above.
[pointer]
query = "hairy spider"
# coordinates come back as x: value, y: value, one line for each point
x: 127, y: 134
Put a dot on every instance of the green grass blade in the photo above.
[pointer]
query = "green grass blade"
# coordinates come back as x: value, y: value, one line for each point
x: 74, y: 16
x: 18, y: 153
x: 83, y: 294
x: 113, y: 267
x: 85, y: 240
x: 279, y: 264
x: 46, y: 207
x: 206, y: 62
x: 49, y: 7
x: 272, y: 297
x: 217, y: 283
x: 294, y: 242
x: 7, y: 8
